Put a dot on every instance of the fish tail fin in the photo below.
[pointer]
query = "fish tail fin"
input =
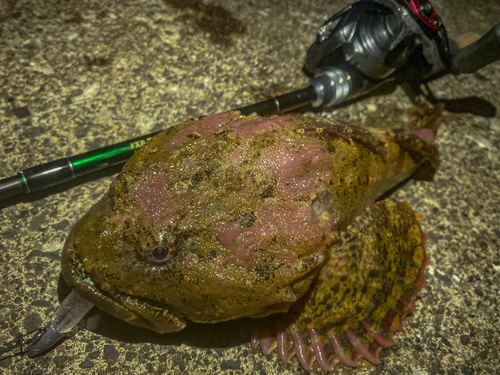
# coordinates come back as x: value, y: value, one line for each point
x: 421, y: 134
x: 424, y: 115
x: 364, y: 292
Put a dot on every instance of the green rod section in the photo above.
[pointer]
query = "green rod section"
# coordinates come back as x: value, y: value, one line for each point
x: 58, y: 171
x: 107, y: 156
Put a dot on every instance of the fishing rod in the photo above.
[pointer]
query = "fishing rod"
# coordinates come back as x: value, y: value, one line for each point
x: 362, y: 47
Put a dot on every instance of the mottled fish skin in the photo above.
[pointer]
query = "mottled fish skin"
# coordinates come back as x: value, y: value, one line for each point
x: 229, y: 216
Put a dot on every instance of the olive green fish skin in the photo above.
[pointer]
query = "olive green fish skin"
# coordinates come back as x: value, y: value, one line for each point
x: 229, y: 216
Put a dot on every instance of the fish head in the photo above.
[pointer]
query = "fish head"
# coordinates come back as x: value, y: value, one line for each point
x: 184, y: 235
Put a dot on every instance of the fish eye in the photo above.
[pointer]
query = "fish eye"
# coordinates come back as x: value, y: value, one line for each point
x: 159, y: 253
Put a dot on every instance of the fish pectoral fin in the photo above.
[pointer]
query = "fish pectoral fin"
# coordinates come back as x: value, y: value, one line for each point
x: 374, y: 272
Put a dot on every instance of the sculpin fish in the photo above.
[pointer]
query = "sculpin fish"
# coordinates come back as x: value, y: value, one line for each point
x: 227, y: 216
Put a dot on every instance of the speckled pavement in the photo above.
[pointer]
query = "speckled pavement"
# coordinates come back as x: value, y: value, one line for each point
x: 77, y: 75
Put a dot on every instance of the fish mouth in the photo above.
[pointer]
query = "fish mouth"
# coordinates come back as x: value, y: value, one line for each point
x: 135, y: 310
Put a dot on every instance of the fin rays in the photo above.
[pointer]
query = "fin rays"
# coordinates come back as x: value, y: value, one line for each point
x: 362, y: 296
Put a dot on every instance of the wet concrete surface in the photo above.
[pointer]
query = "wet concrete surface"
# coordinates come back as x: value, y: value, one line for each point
x: 78, y: 75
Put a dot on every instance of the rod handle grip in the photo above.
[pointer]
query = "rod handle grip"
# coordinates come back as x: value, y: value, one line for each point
x: 478, y: 54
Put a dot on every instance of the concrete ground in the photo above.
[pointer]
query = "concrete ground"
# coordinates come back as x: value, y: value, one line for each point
x: 80, y: 74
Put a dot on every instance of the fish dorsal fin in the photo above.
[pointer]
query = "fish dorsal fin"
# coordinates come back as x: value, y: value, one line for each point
x: 365, y: 290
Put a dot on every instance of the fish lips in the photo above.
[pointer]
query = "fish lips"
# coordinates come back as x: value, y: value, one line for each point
x: 134, y: 310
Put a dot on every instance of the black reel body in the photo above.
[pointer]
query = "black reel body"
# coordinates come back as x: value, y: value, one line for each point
x: 374, y: 42
x: 366, y: 36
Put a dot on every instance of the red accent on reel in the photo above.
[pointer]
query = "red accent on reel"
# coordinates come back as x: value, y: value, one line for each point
x: 425, y: 13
